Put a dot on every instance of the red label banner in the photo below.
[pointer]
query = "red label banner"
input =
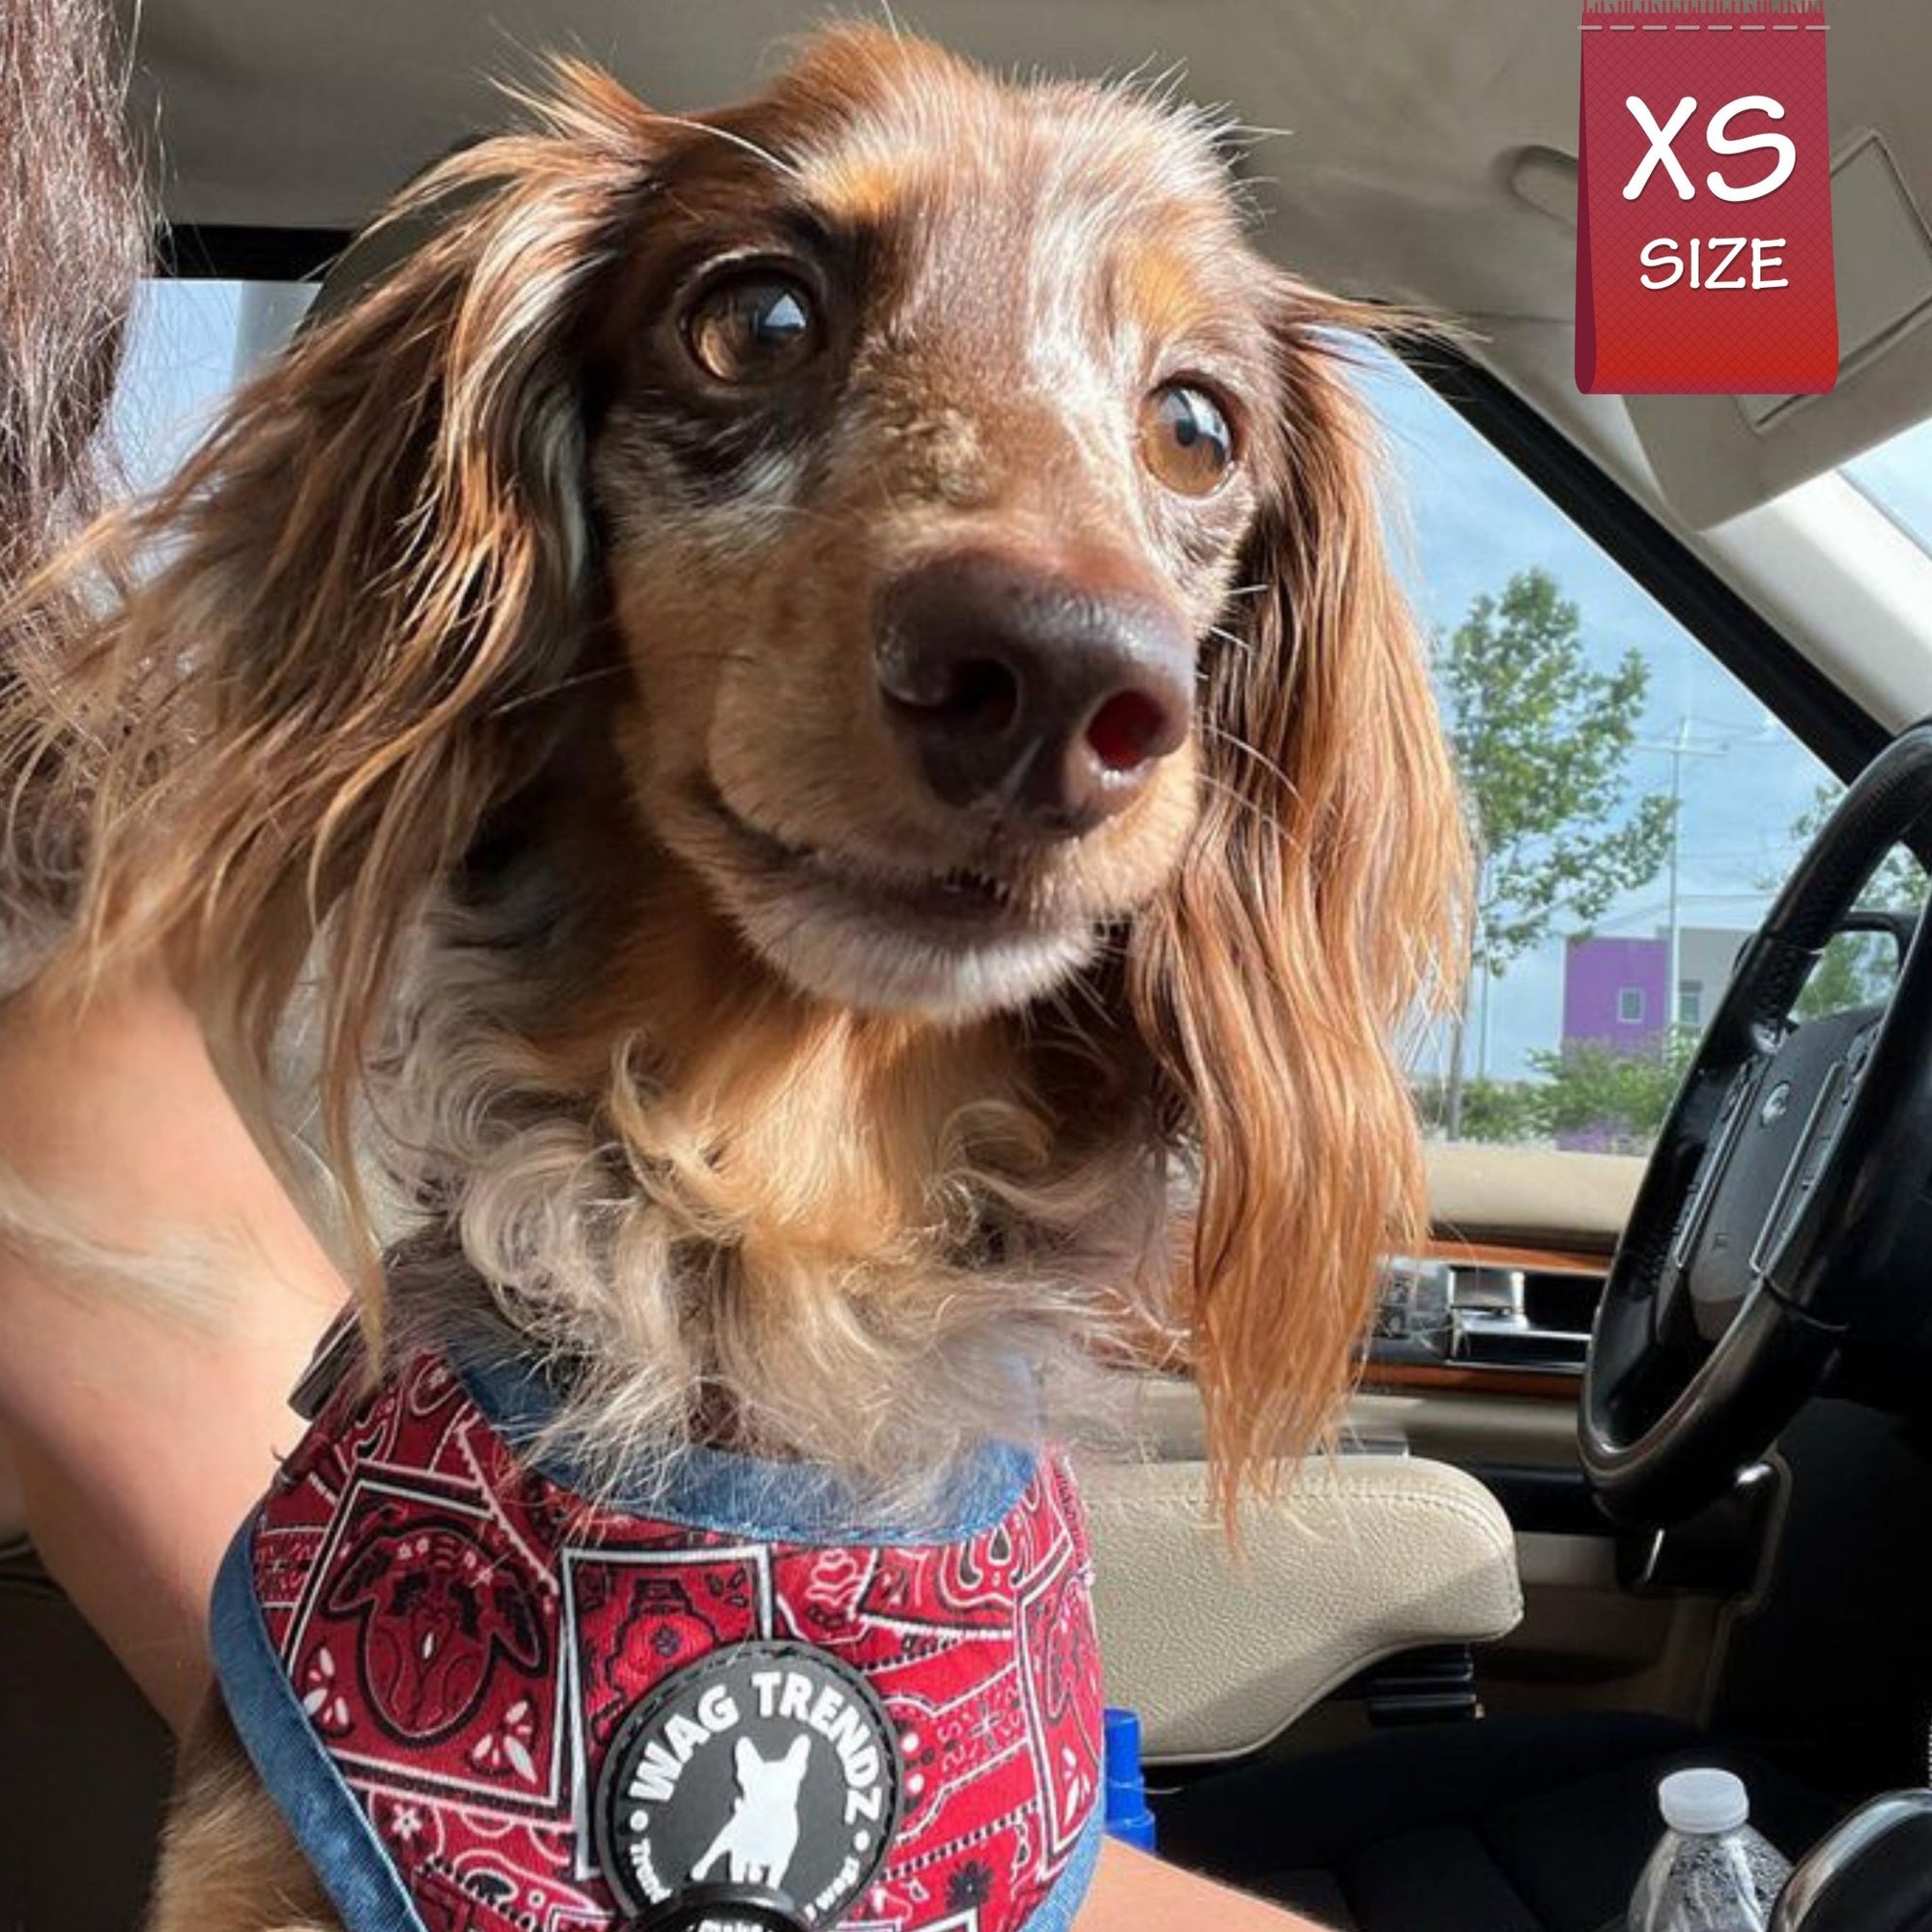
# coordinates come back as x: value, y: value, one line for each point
x: 1704, y: 209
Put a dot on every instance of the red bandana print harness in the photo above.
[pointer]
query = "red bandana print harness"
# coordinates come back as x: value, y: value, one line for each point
x: 488, y: 1705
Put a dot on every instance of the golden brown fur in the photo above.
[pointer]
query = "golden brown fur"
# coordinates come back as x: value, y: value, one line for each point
x: 228, y: 1861
x: 475, y: 611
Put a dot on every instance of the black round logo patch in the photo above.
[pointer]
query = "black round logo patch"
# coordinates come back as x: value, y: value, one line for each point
x: 757, y: 1789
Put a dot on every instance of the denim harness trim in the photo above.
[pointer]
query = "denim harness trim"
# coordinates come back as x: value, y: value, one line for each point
x: 709, y: 1488
x: 331, y: 1827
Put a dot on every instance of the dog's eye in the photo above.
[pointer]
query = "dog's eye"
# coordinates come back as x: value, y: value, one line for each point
x: 1185, y: 441
x: 753, y: 329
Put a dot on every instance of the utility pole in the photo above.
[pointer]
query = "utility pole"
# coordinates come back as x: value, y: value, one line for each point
x: 1679, y: 749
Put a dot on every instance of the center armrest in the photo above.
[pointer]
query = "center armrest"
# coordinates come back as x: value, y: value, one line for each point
x: 1220, y: 1648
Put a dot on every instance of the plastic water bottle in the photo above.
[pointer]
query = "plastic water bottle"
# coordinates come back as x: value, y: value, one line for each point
x: 1711, y: 1872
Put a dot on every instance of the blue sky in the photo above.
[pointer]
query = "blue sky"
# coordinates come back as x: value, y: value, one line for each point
x: 181, y: 362
x: 1471, y: 521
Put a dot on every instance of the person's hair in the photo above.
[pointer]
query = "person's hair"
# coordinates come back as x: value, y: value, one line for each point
x: 74, y: 236
x: 71, y: 246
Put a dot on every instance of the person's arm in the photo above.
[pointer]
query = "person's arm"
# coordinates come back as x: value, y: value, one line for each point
x: 1133, y: 1892
x: 142, y: 1419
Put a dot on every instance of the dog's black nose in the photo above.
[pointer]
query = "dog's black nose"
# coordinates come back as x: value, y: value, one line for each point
x: 1028, y: 697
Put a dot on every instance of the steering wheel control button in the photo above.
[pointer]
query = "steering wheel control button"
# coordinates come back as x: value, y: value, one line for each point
x: 759, y: 1787
x: 1856, y: 1057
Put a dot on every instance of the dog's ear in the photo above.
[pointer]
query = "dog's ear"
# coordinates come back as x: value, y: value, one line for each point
x: 1319, y: 904
x: 347, y: 611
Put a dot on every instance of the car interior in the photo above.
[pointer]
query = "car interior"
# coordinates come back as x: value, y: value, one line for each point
x: 1637, y: 1473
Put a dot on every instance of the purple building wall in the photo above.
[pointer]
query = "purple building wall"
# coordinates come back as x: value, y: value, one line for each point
x: 1613, y: 992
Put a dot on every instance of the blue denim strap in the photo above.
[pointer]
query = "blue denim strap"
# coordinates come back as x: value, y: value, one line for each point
x: 737, y: 1495
x: 328, y: 1824
x: 1062, y: 1905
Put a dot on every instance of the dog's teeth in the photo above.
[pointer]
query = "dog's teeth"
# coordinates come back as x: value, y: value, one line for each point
x: 965, y: 884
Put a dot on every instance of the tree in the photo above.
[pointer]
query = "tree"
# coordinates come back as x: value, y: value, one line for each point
x: 1858, y: 968
x: 1589, y: 1087
x: 1511, y: 1112
x: 1543, y: 740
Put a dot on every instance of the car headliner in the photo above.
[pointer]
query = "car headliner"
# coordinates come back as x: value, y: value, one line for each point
x: 1424, y: 153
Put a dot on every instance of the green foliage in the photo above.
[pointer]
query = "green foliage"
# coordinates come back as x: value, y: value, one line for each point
x: 1542, y: 742
x: 1586, y: 1087
x: 1500, y: 1111
x: 1858, y: 968
x: 1612, y: 1095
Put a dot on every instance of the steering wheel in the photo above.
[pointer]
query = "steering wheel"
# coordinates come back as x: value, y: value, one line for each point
x: 1785, y: 1198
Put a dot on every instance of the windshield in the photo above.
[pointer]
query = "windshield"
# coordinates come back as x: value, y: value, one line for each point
x: 1897, y: 477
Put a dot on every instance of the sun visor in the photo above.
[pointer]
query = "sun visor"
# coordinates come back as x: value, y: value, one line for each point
x: 1715, y: 457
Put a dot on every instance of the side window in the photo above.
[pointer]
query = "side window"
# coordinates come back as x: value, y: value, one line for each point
x: 1638, y: 806
x: 189, y: 343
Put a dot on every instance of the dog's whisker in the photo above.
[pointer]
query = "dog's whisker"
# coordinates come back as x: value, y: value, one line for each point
x: 1222, y: 734
x: 733, y: 138
x: 1246, y: 645
x: 1264, y: 815
x: 557, y: 690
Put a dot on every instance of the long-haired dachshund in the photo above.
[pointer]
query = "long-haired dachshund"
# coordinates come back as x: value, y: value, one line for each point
x: 811, y: 705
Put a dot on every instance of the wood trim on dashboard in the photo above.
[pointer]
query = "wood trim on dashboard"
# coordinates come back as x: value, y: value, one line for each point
x: 1459, y: 1378
x: 1163, y: 1352
x: 1477, y: 1252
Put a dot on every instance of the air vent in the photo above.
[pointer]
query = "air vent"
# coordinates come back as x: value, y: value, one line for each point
x: 1483, y: 1315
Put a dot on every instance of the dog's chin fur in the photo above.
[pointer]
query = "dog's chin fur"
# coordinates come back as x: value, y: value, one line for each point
x: 946, y: 947
x: 871, y: 962
x: 831, y: 1237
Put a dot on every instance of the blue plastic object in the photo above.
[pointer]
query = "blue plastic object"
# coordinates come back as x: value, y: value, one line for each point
x: 1127, y: 1817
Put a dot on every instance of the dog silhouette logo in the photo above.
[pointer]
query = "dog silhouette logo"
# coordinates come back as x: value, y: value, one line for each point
x: 761, y: 1833
x: 760, y: 1785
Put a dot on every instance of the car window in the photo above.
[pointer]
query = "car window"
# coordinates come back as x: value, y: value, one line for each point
x: 188, y: 344
x: 1638, y: 806
x: 1897, y: 477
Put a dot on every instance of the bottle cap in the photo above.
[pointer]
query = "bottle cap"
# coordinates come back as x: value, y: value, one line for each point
x: 1704, y: 1803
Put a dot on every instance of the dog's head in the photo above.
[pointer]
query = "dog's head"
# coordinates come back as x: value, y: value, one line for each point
x: 933, y: 415
x: 942, y: 555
